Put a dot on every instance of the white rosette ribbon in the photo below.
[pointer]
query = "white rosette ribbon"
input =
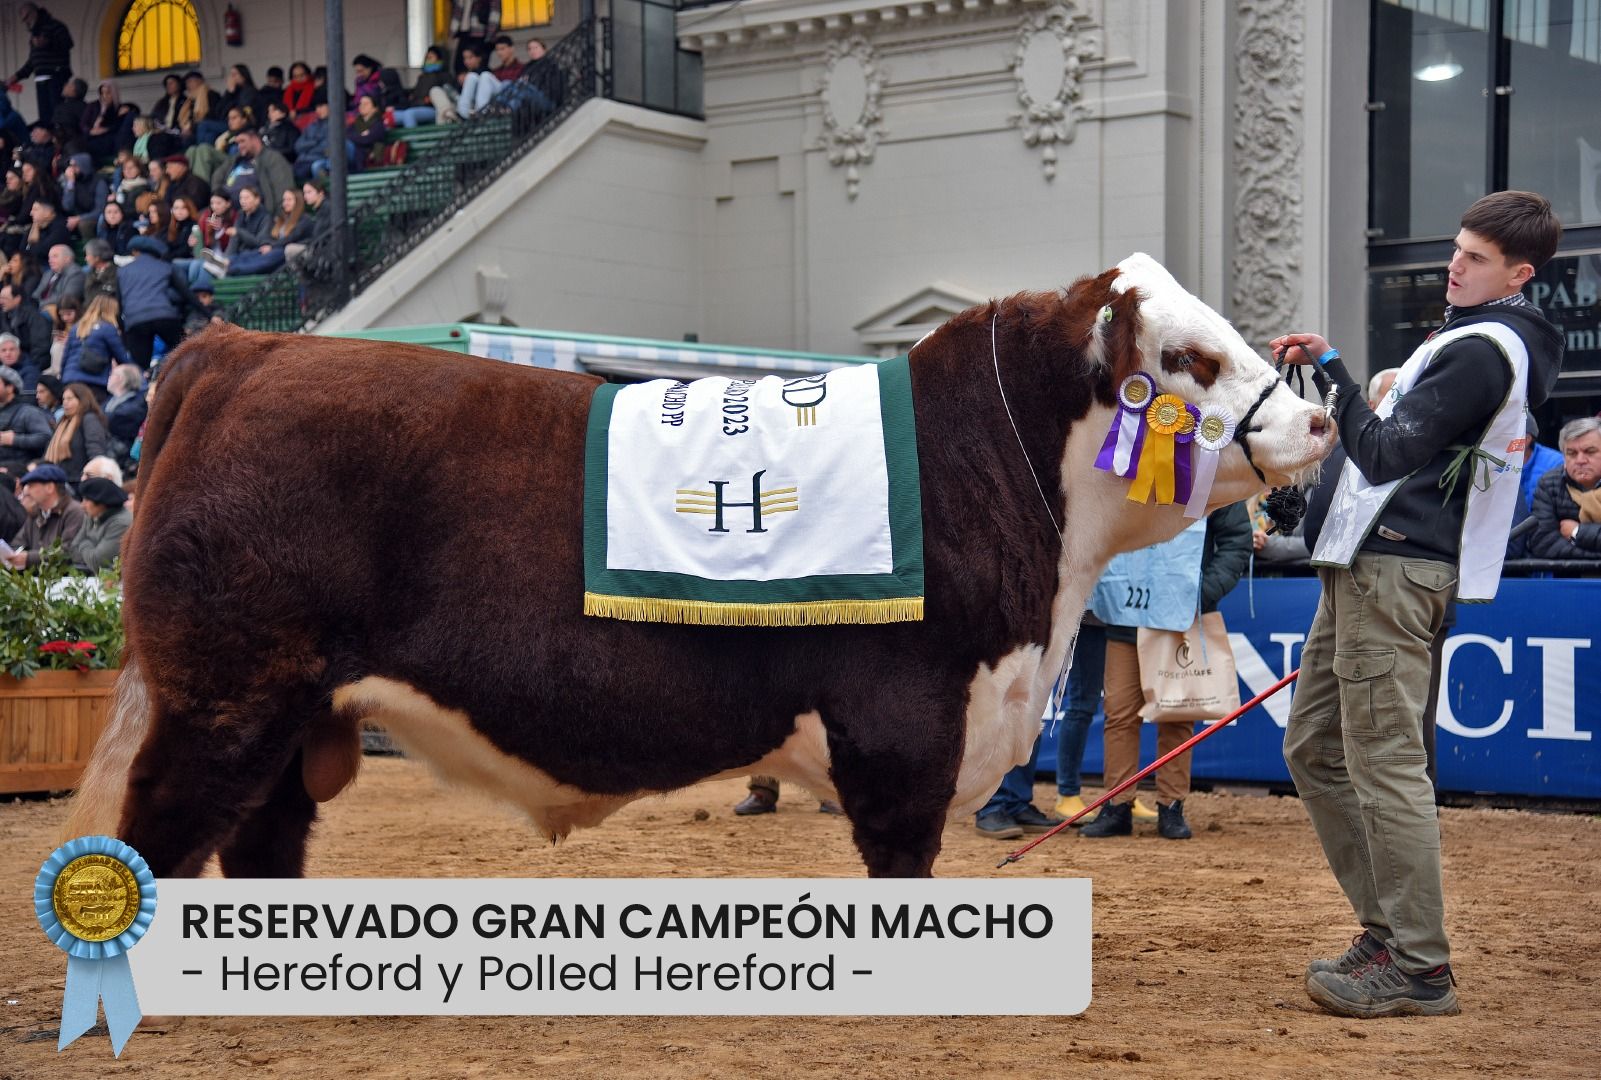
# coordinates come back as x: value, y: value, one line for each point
x: 1213, y: 434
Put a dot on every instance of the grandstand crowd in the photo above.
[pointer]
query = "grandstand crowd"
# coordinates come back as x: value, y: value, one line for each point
x: 117, y: 223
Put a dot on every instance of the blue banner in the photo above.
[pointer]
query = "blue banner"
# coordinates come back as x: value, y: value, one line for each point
x: 1518, y: 713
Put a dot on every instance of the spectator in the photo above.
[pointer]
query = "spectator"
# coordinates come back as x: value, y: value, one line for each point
x: 1538, y: 460
x: 280, y: 134
x: 508, y: 68
x: 125, y: 411
x: 21, y: 317
x: 155, y: 295
x: 368, y: 132
x: 240, y: 92
x: 418, y: 108
x: 367, y: 81
x: 100, y: 274
x: 91, y: 345
x: 472, y: 24
x: 41, y: 148
x: 11, y: 200
x: 322, y: 220
x: 24, y: 427
x: 154, y: 223
x: 272, y: 86
x: 47, y: 395
x: 311, y: 149
x: 478, y: 85
x: 1226, y: 553
x: 1080, y: 699
x: 548, y: 80
x: 200, y: 119
x: 21, y: 270
x: 13, y: 129
x: 252, y: 226
x: 54, y: 519
x: 257, y: 165
x: 116, y: 229
x: 297, y: 94
x: 81, y: 434
x: 1567, y: 502
x: 239, y: 118
x: 104, y: 467
x: 65, y: 278
x: 67, y: 120
x: 290, y: 226
x: 67, y: 314
x: 49, y: 229
x: 129, y: 183
x: 83, y: 193
x: 99, y: 542
x: 49, y: 57
x: 182, y: 183
x: 167, y: 114
x: 38, y: 185
x: 185, y: 217
x: 108, y: 122
x: 12, y: 516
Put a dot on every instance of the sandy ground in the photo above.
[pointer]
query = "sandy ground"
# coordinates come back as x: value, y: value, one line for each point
x: 1199, y: 953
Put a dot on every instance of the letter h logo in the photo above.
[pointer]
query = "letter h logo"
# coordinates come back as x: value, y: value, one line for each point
x: 714, y: 502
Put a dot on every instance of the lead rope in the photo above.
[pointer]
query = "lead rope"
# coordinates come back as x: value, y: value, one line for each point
x: 995, y: 356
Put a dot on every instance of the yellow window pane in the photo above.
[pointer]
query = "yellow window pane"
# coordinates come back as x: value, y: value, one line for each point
x: 156, y: 34
x: 515, y: 14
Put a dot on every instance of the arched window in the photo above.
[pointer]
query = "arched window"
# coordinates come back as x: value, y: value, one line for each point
x: 157, y: 34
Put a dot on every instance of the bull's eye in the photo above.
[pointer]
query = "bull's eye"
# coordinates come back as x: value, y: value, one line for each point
x: 1186, y: 359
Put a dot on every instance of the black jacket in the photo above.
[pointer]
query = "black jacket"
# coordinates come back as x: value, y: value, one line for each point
x: 30, y: 429
x: 33, y: 331
x: 1552, y: 506
x: 50, y: 48
x: 1449, y: 406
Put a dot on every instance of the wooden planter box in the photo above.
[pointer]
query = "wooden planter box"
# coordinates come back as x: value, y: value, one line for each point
x: 48, y: 727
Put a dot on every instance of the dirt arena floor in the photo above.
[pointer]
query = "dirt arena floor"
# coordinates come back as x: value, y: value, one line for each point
x: 1199, y: 953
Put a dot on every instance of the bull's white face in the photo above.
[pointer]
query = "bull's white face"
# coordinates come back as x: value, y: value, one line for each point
x: 1193, y: 352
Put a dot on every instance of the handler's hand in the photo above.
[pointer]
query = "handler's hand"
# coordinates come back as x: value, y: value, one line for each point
x: 17, y: 560
x: 1284, y: 348
x: 1258, y: 539
x: 1568, y: 528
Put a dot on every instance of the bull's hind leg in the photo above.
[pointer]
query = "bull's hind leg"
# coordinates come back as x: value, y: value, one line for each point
x: 271, y: 840
x: 894, y: 755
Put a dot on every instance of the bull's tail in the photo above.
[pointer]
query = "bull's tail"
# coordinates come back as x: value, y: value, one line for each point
x: 97, y: 806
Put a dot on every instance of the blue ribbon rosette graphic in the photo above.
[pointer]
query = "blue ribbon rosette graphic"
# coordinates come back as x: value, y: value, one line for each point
x: 95, y: 897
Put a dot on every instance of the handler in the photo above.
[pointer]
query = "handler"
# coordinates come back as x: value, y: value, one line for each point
x: 1421, y: 510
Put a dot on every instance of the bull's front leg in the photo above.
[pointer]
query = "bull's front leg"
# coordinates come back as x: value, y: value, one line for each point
x: 895, y: 745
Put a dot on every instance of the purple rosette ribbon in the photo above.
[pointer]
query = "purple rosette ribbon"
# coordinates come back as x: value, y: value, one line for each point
x: 1120, y: 453
x: 1183, y: 481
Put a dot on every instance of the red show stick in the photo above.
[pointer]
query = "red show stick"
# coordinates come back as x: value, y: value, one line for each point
x: 1210, y: 729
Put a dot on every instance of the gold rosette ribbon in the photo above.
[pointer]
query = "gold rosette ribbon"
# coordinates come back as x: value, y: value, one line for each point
x: 1165, y: 418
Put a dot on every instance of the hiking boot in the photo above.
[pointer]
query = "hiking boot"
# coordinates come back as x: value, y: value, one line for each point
x: 1170, y: 824
x: 1068, y: 805
x: 1115, y: 819
x: 1364, y: 947
x: 1379, y: 988
x: 759, y: 801
x: 998, y: 827
x: 1031, y: 820
x: 1143, y: 812
x: 829, y: 806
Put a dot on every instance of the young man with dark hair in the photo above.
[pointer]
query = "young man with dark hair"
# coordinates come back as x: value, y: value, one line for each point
x: 507, y: 67
x: 1420, y: 513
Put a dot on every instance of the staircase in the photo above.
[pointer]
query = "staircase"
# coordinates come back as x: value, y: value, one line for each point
x: 392, y: 209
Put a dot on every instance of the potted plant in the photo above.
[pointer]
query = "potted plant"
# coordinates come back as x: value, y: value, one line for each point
x: 61, y: 639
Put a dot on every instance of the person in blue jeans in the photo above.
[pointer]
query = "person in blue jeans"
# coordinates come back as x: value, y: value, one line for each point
x: 1079, y: 702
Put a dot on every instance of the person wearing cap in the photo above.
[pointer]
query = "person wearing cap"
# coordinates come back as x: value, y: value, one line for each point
x: 54, y: 517
x: 100, y: 540
x: 183, y: 184
x: 24, y: 427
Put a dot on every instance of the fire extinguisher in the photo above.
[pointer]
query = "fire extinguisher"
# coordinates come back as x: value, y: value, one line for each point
x: 233, y: 27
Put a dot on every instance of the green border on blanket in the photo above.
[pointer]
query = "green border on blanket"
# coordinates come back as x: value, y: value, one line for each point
x: 905, y: 581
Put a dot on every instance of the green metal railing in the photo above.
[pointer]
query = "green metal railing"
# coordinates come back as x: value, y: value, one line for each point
x: 417, y: 199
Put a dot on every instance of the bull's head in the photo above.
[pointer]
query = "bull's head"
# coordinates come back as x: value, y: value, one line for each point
x: 1153, y: 324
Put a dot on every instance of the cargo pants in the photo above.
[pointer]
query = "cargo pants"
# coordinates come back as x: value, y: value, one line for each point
x: 1355, y: 748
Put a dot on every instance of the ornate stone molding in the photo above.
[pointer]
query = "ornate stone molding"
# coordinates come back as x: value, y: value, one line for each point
x: 1048, y: 65
x: 1268, y: 144
x: 851, y: 92
x: 740, y: 25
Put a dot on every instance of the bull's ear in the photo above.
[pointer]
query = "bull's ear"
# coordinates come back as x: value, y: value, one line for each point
x: 1120, y: 335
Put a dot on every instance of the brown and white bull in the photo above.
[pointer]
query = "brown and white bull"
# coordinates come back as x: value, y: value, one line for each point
x: 331, y: 532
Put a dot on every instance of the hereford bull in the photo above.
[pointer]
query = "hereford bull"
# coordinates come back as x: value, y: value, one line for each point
x: 331, y: 532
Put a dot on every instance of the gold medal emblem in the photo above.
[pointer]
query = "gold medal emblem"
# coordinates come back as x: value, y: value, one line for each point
x: 1212, y: 429
x: 1167, y: 414
x: 1136, y: 392
x: 96, y: 897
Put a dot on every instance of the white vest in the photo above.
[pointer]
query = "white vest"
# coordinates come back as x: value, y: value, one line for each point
x: 1357, y: 504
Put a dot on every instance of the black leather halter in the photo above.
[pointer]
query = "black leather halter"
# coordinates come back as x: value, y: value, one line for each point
x: 1286, y: 506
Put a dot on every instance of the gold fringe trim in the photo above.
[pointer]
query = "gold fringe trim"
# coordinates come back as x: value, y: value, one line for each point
x: 712, y: 613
